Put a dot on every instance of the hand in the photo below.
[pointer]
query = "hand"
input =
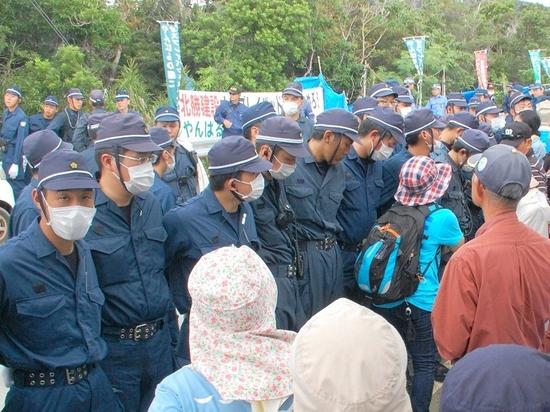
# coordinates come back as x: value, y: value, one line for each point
x: 13, y: 172
x: 227, y: 124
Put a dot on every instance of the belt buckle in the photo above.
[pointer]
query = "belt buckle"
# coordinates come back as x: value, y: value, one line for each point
x: 70, y: 375
x: 137, y: 331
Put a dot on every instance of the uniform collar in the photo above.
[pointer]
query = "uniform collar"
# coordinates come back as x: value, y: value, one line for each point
x: 309, y: 157
x: 101, y: 198
x: 41, y: 244
x: 213, y: 205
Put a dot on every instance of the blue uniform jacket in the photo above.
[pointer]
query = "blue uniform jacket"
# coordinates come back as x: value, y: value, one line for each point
x: 164, y: 194
x: 81, y: 139
x: 24, y: 212
x: 390, y: 178
x: 315, y: 197
x: 37, y: 123
x: 48, y: 319
x: 198, y: 227
x: 233, y: 113
x: 437, y: 105
x: 64, y: 124
x: 15, y: 128
x: 130, y: 260
x: 89, y: 157
x: 183, y: 179
x: 364, y: 184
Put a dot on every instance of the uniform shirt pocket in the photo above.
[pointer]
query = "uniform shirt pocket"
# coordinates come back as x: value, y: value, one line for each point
x: 110, y: 259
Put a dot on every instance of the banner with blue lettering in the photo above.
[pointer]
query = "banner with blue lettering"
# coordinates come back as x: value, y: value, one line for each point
x: 171, y: 56
x: 416, y: 46
x: 535, y: 62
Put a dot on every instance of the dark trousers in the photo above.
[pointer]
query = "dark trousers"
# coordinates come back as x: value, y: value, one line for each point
x: 93, y: 394
x: 183, y: 355
x: 135, y: 368
x: 289, y: 311
x: 415, y: 327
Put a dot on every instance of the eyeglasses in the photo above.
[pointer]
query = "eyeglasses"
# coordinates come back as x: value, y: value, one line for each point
x: 140, y: 160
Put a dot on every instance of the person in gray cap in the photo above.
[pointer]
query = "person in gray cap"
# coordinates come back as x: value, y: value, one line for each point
x: 218, y: 216
x: 518, y: 102
x: 455, y: 126
x: 40, y: 121
x: 379, y: 134
x: 364, y: 105
x: 253, y: 117
x: 51, y: 301
x: 81, y: 139
x: 127, y: 243
x: 228, y: 113
x: 122, y: 102
x: 293, y: 104
x: 456, y: 103
x: 35, y: 147
x: 489, y: 113
x: 315, y: 191
x: 437, y: 102
x: 473, y: 103
x: 496, y: 287
x: 280, y: 141
x: 405, y: 103
x: 384, y: 94
x: 94, y: 122
x: 165, y: 163
x: 64, y: 122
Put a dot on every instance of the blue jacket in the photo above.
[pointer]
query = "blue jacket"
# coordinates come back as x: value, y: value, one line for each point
x: 198, y: 227
x: 164, y: 194
x: 233, y: 113
x: 130, y: 260
x: 15, y: 128
x: 37, y: 123
x: 437, y: 105
x: 89, y: 157
x: 183, y: 179
x: 64, y: 124
x: 24, y: 212
x: 390, y: 179
x: 48, y: 317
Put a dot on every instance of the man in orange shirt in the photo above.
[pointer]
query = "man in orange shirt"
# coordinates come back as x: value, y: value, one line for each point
x: 496, y: 288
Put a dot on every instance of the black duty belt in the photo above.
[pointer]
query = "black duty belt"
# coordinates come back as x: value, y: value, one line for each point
x: 350, y: 247
x: 144, y: 331
x: 52, y: 377
x: 325, y: 244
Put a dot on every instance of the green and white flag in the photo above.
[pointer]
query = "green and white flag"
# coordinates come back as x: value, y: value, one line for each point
x: 171, y: 56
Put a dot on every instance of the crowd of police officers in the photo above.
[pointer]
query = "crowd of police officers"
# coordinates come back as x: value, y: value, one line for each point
x: 110, y: 221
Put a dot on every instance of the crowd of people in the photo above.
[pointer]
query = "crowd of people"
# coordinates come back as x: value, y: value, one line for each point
x: 128, y: 284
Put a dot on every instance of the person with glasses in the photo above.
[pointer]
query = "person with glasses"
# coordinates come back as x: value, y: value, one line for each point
x: 127, y: 243
x: 384, y: 94
x: 164, y: 163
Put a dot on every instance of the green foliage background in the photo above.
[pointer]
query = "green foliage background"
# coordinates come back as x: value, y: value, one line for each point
x: 260, y: 44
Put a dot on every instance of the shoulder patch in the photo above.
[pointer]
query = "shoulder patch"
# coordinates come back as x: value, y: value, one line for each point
x: 22, y: 123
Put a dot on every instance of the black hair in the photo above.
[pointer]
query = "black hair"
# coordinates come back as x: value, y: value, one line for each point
x: 218, y: 181
x: 531, y: 119
x: 317, y: 134
x: 247, y: 133
x: 413, y: 138
x: 106, y: 150
x: 368, y: 125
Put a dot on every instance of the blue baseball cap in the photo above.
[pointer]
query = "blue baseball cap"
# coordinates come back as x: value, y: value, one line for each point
x: 390, y: 121
x: 94, y: 121
x: 284, y: 133
x: 126, y: 131
x: 517, y: 97
x: 235, y: 154
x: 51, y: 100
x: 257, y: 113
x: 75, y: 93
x: 488, y: 107
x: 338, y: 121
x: 381, y: 90
x: 122, y: 94
x: 536, y: 86
x: 474, y: 101
x: 39, y: 144
x: 364, y: 105
x: 160, y: 136
x: 419, y: 120
x: 294, y: 89
x: 65, y: 170
x: 15, y: 90
x: 463, y: 120
x: 167, y: 114
x: 457, y: 99
x: 473, y: 140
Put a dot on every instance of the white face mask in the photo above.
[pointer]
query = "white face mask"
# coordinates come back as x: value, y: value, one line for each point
x: 284, y: 171
x: 70, y: 222
x: 290, y: 108
x: 257, y: 186
x: 141, y: 178
x: 405, y: 111
x: 498, y: 123
x: 170, y: 166
x: 383, y: 153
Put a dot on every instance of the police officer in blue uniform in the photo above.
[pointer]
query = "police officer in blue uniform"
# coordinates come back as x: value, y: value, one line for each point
x: 165, y: 163
x: 122, y: 102
x: 280, y: 141
x: 50, y: 299
x: 64, y: 123
x: 219, y: 216
x: 81, y: 140
x: 379, y: 134
x: 41, y: 121
x: 229, y: 113
x: 315, y: 191
x: 455, y: 126
x: 456, y: 103
x: 293, y: 103
x: 94, y: 122
x: 127, y: 243
x: 15, y: 128
x: 35, y: 147
x: 183, y: 179
x: 437, y: 102
x: 384, y: 94
x: 364, y: 105
x: 253, y: 117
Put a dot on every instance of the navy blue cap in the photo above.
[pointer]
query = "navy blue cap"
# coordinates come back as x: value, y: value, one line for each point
x: 51, y: 100
x: 65, y: 170
x: 257, y: 113
x: 488, y: 107
x: 160, y: 136
x: 481, y: 92
x: 167, y: 114
x: 474, y: 101
x: 94, y: 122
x: 400, y: 90
x: 294, y: 89
x: 518, y: 87
x: 122, y: 94
x: 381, y: 90
x: 515, y: 133
x: 405, y: 98
x: 39, y: 144
x: 473, y: 140
x: 15, y: 90
x: 126, y: 131
x: 364, y: 105
x: 75, y: 93
x: 390, y: 121
x: 338, y: 121
x: 463, y: 120
x: 517, y: 97
x: 97, y: 96
x: 536, y: 86
x: 284, y: 133
x: 419, y: 120
x: 235, y: 154
x: 457, y: 99
x: 502, y: 165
